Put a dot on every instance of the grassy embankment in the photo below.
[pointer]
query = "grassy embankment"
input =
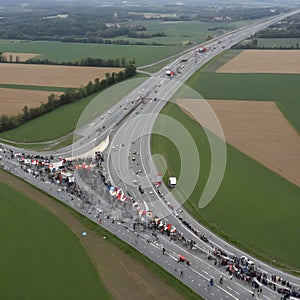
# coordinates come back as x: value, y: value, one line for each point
x: 43, y: 258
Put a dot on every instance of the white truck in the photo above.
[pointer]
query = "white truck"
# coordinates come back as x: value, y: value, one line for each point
x: 172, y: 182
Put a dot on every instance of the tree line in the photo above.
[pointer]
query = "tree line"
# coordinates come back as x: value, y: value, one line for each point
x: 253, y: 44
x: 288, y: 28
x: 279, y: 34
x: 10, y: 122
x: 84, y: 62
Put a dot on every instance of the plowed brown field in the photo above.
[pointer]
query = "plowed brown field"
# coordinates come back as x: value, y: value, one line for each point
x: 49, y: 75
x: 12, y: 101
x: 263, y: 61
x: 258, y: 129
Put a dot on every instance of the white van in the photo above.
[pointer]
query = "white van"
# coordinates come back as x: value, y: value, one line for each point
x: 172, y: 182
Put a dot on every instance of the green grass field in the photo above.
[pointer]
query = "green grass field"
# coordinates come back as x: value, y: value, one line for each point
x: 178, y: 32
x: 283, y: 42
x: 281, y: 88
x: 34, y: 87
x: 254, y: 208
x: 58, y: 51
x: 42, y: 258
x: 64, y: 119
x: 220, y: 60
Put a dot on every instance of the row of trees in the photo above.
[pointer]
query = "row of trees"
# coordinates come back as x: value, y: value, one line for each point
x: 85, y: 62
x: 10, y: 122
x: 143, y: 35
x: 98, y: 40
x: 252, y: 44
x: 278, y: 34
x: 288, y: 28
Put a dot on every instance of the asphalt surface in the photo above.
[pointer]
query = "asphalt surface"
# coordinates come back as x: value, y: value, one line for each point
x: 129, y: 124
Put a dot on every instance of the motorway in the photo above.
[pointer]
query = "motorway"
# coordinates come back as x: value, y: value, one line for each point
x: 129, y: 125
x: 142, y: 171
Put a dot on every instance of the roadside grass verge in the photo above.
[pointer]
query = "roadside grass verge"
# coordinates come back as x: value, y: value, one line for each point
x: 41, y: 253
x: 219, y: 60
x: 254, y: 208
x: 45, y: 146
x: 155, y: 68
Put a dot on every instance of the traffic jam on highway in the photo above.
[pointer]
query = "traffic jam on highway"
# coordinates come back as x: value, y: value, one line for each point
x: 97, y: 198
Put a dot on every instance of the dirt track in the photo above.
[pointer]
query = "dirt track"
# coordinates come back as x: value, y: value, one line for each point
x: 123, y: 276
x: 258, y: 129
x: 48, y: 75
x: 21, y: 56
x: 263, y: 61
x: 12, y: 101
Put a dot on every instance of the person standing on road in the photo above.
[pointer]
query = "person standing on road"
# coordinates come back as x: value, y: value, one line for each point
x: 221, y: 279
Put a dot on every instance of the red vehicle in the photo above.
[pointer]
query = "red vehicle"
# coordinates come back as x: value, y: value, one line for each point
x: 181, y: 258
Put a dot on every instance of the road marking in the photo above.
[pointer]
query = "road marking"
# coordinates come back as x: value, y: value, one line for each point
x: 217, y: 286
x: 228, y: 293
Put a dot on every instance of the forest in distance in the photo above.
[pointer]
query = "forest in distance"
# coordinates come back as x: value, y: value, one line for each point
x: 98, y: 23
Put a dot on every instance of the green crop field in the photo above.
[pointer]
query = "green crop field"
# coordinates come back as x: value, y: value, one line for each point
x: 34, y: 87
x: 254, y: 208
x: 64, y: 119
x: 283, y: 42
x: 42, y: 258
x: 220, y: 60
x: 59, y: 51
x: 179, y: 32
x: 281, y: 88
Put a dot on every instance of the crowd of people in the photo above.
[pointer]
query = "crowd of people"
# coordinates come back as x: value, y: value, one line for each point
x: 93, y: 192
